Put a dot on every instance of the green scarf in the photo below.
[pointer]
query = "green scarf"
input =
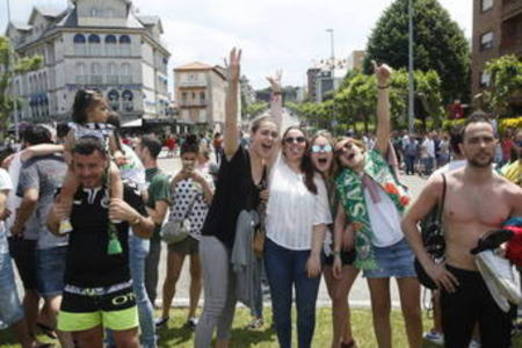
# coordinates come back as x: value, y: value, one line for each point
x: 351, y: 195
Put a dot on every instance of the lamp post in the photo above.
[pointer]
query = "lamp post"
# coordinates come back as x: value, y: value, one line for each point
x: 411, y: 87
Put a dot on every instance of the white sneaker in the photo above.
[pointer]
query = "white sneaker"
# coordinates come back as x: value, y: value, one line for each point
x: 434, y: 337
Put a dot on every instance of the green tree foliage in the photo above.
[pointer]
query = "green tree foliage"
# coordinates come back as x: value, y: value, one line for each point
x: 356, y: 103
x: 8, y: 69
x: 440, y: 44
x: 506, y: 84
x: 255, y: 109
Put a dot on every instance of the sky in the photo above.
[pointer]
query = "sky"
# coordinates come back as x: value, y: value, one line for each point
x: 273, y: 34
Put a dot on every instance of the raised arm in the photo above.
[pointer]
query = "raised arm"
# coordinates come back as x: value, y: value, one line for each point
x: 40, y: 150
x: 231, y: 141
x: 276, y: 102
x: 383, y: 74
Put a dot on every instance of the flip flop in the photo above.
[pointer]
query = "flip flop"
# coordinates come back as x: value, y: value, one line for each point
x: 48, y: 331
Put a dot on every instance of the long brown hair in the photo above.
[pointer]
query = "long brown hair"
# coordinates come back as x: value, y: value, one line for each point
x: 334, y: 166
x: 306, y: 165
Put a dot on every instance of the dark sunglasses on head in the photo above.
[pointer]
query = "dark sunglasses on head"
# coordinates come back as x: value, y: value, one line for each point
x: 321, y: 148
x: 291, y: 140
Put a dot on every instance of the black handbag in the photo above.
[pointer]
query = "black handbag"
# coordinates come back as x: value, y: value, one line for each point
x: 432, y: 239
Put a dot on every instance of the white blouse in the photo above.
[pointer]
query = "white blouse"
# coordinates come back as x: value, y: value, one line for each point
x: 293, y: 210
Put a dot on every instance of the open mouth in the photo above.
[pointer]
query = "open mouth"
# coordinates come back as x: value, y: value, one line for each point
x: 322, y: 160
x: 266, y: 147
x: 350, y: 156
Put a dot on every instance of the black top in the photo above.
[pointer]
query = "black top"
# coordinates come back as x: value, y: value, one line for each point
x: 235, y: 191
x: 88, y: 263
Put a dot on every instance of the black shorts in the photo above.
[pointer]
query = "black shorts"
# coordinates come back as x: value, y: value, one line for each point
x: 23, y: 251
x: 347, y: 258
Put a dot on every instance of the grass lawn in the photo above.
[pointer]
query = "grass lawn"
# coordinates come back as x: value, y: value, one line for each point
x: 177, y: 336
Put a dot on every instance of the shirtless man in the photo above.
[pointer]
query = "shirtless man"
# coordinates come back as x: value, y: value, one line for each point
x: 477, y: 201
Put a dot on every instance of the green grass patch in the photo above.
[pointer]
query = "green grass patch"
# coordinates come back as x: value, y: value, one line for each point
x: 176, y: 335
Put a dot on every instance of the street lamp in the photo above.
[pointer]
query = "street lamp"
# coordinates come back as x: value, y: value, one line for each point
x: 411, y: 87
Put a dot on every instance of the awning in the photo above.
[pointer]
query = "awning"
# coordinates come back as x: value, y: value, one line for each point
x: 133, y: 124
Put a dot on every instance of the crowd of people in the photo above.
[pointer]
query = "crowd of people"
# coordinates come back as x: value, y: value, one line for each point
x: 87, y: 213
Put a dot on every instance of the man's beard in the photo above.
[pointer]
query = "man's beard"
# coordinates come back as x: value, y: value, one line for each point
x: 478, y: 164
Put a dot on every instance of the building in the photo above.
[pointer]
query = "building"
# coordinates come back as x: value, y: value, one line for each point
x: 355, y: 60
x: 200, y: 91
x: 497, y: 31
x: 247, y: 91
x: 311, y: 75
x: 102, y: 45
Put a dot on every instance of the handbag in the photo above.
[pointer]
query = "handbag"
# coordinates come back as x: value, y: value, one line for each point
x: 433, y: 239
x: 177, y: 230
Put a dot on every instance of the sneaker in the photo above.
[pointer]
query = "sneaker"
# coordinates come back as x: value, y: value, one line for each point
x: 160, y: 322
x: 474, y: 344
x: 434, y: 337
x: 191, y: 323
x: 256, y: 323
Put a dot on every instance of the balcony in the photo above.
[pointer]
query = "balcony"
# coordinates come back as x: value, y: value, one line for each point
x: 511, y: 7
x: 192, y: 84
x: 96, y: 79
x: 112, y: 79
x: 82, y: 79
x: 125, y: 79
x: 193, y: 104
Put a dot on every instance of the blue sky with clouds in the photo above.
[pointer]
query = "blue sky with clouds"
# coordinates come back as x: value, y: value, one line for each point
x: 286, y: 34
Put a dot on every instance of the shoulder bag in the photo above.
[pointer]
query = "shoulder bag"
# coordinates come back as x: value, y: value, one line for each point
x: 432, y: 239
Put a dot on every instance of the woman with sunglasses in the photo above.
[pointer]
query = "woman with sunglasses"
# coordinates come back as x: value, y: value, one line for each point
x: 237, y: 189
x: 338, y: 285
x: 373, y: 201
x: 297, y: 216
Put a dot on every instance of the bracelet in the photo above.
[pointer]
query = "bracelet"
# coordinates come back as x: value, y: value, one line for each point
x: 383, y: 87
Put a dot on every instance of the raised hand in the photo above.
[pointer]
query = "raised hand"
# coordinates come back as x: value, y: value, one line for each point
x: 383, y: 72
x: 275, y: 81
x: 234, y: 64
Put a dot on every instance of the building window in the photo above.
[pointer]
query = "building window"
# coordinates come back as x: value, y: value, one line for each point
x: 79, y: 45
x: 81, y: 76
x: 486, y: 5
x: 485, y: 79
x: 96, y: 74
x: 111, y: 45
x: 94, y: 45
x: 486, y: 41
x: 95, y: 12
x: 127, y: 97
x: 112, y: 74
x: 202, y: 97
x: 125, y: 45
x: 114, y: 99
x: 126, y: 76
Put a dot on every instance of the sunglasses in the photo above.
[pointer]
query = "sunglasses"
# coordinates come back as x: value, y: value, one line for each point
x: 291, y: 140
x: 321, y: 148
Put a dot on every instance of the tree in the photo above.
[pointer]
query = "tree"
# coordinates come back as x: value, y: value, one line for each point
x: 440, y: 44
x: 506, y: 84
x: 7, y: 72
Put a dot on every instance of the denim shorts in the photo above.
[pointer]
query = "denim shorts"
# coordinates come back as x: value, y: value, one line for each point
x: 393, y: 261
x: 50, y: 270
x: 10, y: 308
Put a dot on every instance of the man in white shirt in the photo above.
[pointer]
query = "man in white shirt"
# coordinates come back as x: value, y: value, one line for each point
x: 429, y: 147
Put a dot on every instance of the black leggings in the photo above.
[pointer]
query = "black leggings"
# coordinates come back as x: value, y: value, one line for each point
x: 471, y: 304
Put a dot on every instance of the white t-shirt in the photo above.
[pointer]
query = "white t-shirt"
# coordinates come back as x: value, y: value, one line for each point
x: 429, y: 145
x: 13, y: 201
x: 293, y: 210
x: 5, y: 185
x: 385, y: 220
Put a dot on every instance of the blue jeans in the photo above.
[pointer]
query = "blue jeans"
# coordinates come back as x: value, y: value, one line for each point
x: 285, y: 269
x: 138, y: 251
